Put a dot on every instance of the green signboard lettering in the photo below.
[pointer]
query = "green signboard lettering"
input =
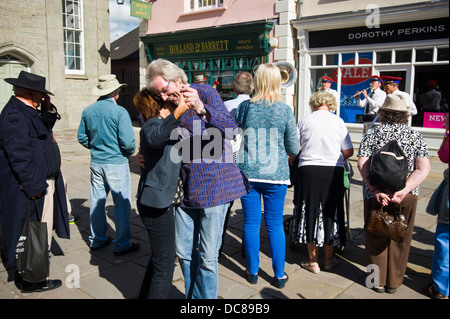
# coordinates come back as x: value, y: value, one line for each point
x: 141, y: 9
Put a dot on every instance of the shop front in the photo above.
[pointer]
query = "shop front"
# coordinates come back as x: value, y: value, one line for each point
x: 411, y: 42
x: 216, y: 54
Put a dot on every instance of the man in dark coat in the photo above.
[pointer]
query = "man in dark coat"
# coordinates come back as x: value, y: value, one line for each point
x: 28, y: 157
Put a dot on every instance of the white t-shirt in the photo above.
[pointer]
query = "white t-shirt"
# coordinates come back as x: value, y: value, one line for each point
x: 322, y: 137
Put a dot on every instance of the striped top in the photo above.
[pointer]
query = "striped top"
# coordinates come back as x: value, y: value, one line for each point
x: 210, y: 176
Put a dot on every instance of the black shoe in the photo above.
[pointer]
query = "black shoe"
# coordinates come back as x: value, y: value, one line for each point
x: 106, y: 243
x: 391, y: 290
x: 45, y: 285
x: 380, y: 290
x: 281, y: 282
x: 253, y: 279
x: 133, y: 248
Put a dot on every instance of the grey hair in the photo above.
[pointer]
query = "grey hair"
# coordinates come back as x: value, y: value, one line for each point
x: 165, y: 69
x: 320, y: 98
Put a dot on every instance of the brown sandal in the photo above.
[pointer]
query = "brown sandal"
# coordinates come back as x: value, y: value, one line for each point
x: 430, y: 292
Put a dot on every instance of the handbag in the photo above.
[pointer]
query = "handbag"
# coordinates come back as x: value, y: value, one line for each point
x: 387, y: 225
x: 32, y: 253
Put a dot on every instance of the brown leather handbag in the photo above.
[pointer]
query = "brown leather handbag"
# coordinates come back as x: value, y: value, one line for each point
x: 388, y: 225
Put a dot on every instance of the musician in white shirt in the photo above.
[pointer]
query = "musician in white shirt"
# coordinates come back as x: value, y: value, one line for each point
x: 373, y: 101
x: 326, y: 82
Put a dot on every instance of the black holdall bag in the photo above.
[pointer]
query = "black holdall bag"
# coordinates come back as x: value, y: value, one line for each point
x: 32, y: 253
x: 389, y: 168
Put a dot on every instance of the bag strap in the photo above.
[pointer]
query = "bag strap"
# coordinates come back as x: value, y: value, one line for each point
x: 28, y: 209
x: 399, y: 213
x: 243, y: 111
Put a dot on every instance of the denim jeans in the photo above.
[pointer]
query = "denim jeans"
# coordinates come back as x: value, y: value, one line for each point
x: 198, y: 236
x: 114, y: 178
x: 439, y: 266
x: 160, y: 225
x: 273, y: 197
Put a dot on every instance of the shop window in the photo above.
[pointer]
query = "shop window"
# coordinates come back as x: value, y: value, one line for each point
x: 442, y: 54
x: 73, y: 36
x: 317, y: 60
x: 403, y: 56
x: 424, y: 55
x: 349, y: 58
x: 365, y: 58
x: 332, y: 59
x: 219, y: 72
x: 431, y: 91
x: 384, y: 57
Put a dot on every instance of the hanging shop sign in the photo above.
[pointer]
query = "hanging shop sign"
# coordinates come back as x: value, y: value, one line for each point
x: 387, y: 33
x: 218, y: 41
x: 141, y: 9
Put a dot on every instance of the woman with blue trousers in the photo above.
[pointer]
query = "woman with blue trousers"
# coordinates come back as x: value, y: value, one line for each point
x: 269, y: 136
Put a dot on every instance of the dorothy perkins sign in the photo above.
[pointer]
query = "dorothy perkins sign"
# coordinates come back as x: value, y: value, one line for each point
x: 395, y: 32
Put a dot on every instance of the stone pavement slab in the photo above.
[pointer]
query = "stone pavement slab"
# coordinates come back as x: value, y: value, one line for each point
x: 101, y: 275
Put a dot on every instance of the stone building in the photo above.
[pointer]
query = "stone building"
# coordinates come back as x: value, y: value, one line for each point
x: 60, y: 39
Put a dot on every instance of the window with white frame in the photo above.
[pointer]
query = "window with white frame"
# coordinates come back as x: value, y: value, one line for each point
x: 73, y: 36
x: 351, y: 72
x: 198, y: 5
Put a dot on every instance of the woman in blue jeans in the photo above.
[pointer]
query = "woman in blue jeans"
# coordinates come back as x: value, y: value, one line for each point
x: 158, y: 191
x: 270, y: 135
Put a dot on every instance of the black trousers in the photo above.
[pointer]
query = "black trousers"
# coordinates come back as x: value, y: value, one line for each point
x: 160, y: 225
x: 322, y: 189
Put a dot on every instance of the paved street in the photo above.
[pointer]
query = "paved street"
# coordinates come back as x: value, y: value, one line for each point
x: 101, y: 275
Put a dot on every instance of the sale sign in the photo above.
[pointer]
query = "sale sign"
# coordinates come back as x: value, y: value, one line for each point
x: 354, y: 78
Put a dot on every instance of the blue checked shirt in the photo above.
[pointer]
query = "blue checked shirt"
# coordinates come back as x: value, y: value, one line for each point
x: 210, y: 176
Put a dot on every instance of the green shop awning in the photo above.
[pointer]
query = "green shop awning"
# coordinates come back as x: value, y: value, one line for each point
x: 245, y: 39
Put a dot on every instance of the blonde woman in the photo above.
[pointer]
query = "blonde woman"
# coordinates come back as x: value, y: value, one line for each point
x: 269, y: 136
x: 325, y: 145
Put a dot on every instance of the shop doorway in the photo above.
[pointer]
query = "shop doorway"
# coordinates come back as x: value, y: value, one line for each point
x: 431, y: 80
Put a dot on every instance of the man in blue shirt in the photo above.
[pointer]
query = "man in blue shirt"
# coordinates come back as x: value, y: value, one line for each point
x: 209, y: 184
x: 106, y: 130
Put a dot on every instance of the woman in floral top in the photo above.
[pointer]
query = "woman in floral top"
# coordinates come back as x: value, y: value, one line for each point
x: 391, y: 256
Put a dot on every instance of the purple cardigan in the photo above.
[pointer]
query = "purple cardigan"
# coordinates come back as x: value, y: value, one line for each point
x: 209, y: 180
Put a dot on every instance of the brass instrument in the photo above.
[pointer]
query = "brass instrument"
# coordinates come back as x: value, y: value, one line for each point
x: 288, y: 73
x: 357, y: 93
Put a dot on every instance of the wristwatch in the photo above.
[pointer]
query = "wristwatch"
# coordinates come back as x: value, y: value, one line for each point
x: 203, y: 111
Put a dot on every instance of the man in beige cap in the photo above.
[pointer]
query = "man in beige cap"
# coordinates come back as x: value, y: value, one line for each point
x: 106, y: 130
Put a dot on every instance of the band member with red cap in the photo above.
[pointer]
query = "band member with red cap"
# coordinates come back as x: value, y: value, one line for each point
x: 391, y: 84
x: 326, y: 82
x: 373, y: 101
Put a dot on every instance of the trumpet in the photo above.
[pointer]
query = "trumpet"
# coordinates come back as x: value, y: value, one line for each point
x: 357, y: 93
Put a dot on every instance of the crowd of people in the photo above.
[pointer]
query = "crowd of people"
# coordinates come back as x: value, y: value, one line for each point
x: 185, y: 193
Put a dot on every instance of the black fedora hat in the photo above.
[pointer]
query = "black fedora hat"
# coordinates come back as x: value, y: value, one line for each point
x: 29, y: 81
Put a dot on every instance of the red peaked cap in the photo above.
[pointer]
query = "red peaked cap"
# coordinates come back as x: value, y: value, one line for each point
x: 376, y: 78
x: 327, y: 79
x: 391, y: 79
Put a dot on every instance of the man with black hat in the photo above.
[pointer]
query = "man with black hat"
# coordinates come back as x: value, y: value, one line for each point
x: 106, y: 130
x: 29, y: 161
